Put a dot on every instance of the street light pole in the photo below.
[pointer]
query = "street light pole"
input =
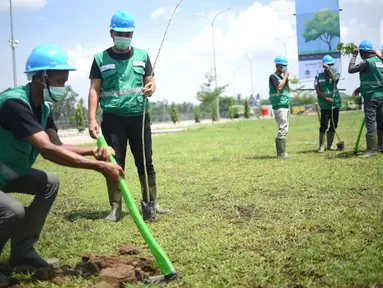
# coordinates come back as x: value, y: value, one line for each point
x: 13, y: 45
x: 214, y: 58
x: 251, y: 76
x: 285, y: 43
x: 234, y: 80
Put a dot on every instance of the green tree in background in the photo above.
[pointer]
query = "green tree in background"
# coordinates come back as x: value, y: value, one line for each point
x: 79, y: 116
x: 197, y: 114
x: 174, y: 113
x: 324, y: 26
x: 214, y: 114
x: 208, y: 95
x: 231, y: 112
x: 246, y: 113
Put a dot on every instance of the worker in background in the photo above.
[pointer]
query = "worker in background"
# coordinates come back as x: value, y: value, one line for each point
x: 279, y: 93
x: 120, y: 78
x: 326, y: 86
x: 371, y: 89
x: 27, y: 129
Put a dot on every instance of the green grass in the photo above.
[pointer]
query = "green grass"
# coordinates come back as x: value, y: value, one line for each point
x: 309, y: 52
x: 240, y: 217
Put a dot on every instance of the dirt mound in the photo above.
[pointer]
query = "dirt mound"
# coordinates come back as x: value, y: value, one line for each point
x: 111, y: 270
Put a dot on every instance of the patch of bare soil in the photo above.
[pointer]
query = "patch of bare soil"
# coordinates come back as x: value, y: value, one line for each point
x: 125, y: 267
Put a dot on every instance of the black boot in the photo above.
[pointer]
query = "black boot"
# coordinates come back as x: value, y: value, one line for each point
x: 372, y: 145
x: 115, y: 198
x: 30, y: 261
x: 330, y: 140
x: 280, y: 144
x: 150, y: 208
x: 4, y: 281
x: 380, y: 141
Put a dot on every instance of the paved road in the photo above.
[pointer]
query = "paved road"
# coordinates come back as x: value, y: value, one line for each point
x: 72, y: 137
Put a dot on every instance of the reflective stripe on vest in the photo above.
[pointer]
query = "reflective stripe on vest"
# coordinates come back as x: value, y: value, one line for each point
x: 371, y: 83
x: 120, y: 92
x: 277, y: 94
x: 8, y: 172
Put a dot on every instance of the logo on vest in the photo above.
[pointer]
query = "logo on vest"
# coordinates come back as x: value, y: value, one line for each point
x: 107, y: 67
x: 139, y: 63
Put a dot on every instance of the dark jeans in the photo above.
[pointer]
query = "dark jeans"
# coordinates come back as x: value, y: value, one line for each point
x: 325, y: 117
x: 23, y: 225
x: 373, y: 112
x: 118, y: 130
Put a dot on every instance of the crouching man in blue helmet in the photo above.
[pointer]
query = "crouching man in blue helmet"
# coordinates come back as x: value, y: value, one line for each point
x: 27, y: 129
x: 120, y: 78
x: 371, y: 89
x: 326, y: 86
x: 279, y: 94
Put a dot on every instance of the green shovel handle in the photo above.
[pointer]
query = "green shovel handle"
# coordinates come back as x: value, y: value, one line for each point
x: 160, y: 256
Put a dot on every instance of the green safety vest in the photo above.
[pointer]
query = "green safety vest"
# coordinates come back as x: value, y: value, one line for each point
x: 17, y: 156
x: 330, y: 89
x: 371, y: 82
x: 122, y: 82
x: 279, y: 99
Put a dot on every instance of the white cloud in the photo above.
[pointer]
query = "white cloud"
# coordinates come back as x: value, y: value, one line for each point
x: 258, y: 32
x: 30, y: 4
x: 163, y: 12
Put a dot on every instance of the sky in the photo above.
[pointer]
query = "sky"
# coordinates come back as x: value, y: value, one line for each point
x: 249, y: 35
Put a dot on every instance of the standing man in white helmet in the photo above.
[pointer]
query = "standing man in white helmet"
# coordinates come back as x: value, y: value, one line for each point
x: 27, y: 129
x: 279, y: 93
x: 371, y: 89
x: 120, y: 79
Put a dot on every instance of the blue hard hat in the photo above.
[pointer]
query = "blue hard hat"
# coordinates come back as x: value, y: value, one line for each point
x: 280, y: 60
x: 122, y: 21
x: 366, y: 45
x: 47, y: 57
x: 328, y: 60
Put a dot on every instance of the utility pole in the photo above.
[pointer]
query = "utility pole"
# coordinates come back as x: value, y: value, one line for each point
x: 251, y: 76
x: 215, y: 65
x: 285, y: 44
x: 13, y: 45
x: 235, y: 71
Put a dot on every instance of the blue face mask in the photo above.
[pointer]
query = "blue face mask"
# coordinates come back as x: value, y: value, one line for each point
x: 122, y: 43
x: 284, y: 69
x: 56, y: 94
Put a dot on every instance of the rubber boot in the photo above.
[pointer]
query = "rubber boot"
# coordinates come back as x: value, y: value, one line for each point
x: 321, y: 143
x: 31, y: 261
x: 330, y: 140
x: 4, y: 281
x: 148, y: 207
x: 372, y: 145
x: 280, y: 144
x: 115, y: 198
x: 380, y: 141
x: 152, y: 204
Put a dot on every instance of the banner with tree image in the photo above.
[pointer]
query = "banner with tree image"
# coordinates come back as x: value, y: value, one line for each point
x: 318, y: 34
